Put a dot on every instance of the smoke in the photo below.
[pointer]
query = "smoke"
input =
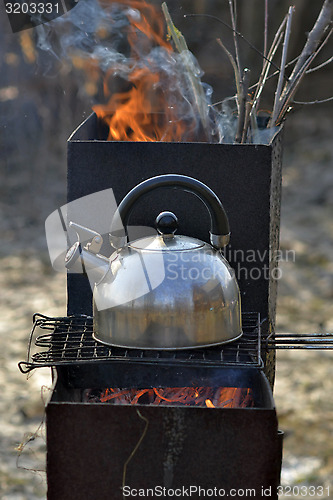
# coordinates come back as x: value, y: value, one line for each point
x: 121, y: 44
x: 226, y: 122
x: 82, y: 31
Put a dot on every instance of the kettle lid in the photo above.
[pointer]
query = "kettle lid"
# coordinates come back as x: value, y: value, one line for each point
x: 167, y: 224
x: 161, y: 243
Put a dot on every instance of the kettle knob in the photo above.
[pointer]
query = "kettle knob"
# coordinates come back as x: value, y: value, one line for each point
x: 166, y: 223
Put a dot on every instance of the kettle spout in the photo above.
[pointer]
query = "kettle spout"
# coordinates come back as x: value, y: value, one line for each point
x: 87, y: 259
x: 80, y: 260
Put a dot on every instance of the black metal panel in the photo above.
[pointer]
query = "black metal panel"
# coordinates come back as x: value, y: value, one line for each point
x: 240, y: 175
x: 89, y: 444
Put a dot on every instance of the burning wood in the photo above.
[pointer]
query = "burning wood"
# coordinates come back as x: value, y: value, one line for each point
x: 164, y: 99
x: 152, y: 82
x: 167, y: 82
x: 210, y: 397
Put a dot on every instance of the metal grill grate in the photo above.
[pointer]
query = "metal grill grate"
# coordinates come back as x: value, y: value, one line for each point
x: 68, y: 340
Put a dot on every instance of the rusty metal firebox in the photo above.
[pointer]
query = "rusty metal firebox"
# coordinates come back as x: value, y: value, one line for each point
x: 182, y: 446
x: 88, y: 445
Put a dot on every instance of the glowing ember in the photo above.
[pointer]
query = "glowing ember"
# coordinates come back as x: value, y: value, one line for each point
x: 221, y: 397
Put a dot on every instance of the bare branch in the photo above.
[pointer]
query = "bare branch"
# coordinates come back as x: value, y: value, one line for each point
x: 181, y: 45
x: 282, y: 66
x: 253, y: 47
x: 315, y: 36
x: 318, y: 101
x: 267, y: 64
x: 276, y: 72
x: 266, y: 29
x: 248, y: 108
x: 286, y: 98
x: 242, y: 105
x: 311, y: 70
x: 322, y: 65
x: 264, y: 77
x: 233, y: 13
x: 174, y: 33
x: 234, y: 65
x: 226, y: 99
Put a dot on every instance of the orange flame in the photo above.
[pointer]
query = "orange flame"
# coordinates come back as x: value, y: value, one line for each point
x: 141, y: 112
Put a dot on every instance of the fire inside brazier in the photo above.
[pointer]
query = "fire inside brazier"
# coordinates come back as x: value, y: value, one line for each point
x: 163, y: 375
x: 165, y: 389
x: 127, y: 418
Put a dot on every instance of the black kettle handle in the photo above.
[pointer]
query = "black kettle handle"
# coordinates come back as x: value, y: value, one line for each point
x: 219, y: 230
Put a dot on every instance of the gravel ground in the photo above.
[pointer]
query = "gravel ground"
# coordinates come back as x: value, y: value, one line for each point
x: 304, y: 383
x: 304, y: 380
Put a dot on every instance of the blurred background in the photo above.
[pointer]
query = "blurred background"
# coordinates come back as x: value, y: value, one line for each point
x: 43, y: 98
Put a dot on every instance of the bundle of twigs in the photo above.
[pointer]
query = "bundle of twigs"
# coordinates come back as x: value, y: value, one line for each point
x: 316, y: 40
x: 248, y: 97
x: 248, y: 105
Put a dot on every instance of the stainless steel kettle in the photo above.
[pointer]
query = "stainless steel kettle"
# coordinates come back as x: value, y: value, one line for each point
x: 166, y: 291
